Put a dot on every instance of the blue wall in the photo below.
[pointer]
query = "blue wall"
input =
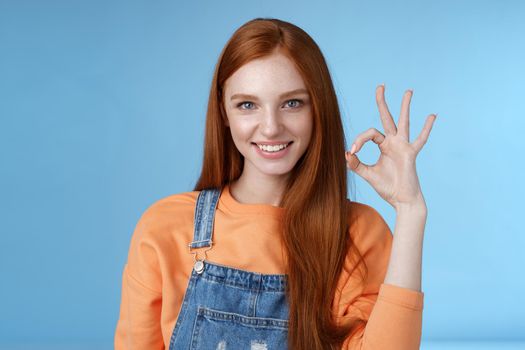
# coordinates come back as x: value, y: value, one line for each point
x: 102, y: 107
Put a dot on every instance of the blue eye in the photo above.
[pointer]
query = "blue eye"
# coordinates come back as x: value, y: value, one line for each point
x: 296, y: 100
x: 241, y: 103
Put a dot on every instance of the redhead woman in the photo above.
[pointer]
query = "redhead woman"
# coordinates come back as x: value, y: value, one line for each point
x: 267, y: 252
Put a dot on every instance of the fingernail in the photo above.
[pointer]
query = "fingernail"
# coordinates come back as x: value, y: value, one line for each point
x: 352, y: 150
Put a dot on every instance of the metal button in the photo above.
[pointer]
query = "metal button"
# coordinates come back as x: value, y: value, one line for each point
x: 199, y: 266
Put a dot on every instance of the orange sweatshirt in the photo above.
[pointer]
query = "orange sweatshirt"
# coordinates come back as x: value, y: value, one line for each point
x: 245, y: 236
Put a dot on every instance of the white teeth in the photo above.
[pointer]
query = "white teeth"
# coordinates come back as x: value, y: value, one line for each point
x: 273, y: 148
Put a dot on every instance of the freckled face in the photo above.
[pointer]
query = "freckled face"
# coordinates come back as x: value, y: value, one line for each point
x: 260, y: 112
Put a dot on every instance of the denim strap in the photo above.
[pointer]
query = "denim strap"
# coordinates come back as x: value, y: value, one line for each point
x: 204, y: 215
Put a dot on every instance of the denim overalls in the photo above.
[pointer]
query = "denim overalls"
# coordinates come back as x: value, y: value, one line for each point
x: 225, y: 308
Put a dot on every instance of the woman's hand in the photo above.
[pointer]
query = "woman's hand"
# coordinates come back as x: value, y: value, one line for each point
x: 394, y: 175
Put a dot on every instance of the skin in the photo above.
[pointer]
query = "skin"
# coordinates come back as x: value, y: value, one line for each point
x: 269, y: 117
x: 395, y: 179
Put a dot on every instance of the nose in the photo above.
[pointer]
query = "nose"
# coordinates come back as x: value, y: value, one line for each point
x: 271, y: 124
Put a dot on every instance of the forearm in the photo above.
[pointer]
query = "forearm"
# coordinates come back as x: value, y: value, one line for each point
x: 404, y: 268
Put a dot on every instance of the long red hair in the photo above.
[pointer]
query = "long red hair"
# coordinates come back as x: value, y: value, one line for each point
x: 316, y: 221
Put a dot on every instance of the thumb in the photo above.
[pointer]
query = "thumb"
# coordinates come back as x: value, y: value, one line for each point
x: 353, y: 163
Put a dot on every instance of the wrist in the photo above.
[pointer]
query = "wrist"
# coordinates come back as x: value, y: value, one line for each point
x: 417, y: 206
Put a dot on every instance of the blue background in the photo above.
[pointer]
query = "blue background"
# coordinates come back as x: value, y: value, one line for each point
x: 102, y: 107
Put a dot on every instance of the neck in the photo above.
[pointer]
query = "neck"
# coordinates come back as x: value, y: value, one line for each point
x: 259, y: 189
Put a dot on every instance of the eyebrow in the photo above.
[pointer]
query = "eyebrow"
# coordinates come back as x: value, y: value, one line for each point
x: 252, y: 97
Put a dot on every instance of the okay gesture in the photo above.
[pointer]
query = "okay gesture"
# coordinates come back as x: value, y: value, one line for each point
x: 394, y: 176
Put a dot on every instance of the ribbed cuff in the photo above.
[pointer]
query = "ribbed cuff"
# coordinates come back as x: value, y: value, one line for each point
x: 406, y: 297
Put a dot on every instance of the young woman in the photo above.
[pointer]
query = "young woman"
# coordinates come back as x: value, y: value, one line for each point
x: 267, y: 252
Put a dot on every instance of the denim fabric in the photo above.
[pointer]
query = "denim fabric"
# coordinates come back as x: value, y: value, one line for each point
x: 225, y: 308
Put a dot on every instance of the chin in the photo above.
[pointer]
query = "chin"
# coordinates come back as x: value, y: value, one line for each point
x: 275, y: 171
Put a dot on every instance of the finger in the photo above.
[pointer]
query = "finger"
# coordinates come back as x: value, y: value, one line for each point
x: 423, y: 135
x: 355, y: 165
x: 403, y: 124
x: 371, y: 134
x: 384, y: 113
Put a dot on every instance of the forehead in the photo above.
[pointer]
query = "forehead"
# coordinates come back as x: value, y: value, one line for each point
x: 267, y: 76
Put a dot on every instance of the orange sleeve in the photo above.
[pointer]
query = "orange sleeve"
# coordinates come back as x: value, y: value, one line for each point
x: 139, y: 325
x: 393, y: 314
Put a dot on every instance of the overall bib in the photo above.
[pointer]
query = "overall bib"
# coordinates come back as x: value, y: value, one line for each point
x: 225, y: 308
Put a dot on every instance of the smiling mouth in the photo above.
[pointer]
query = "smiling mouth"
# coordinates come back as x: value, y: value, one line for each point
x: 272, y: 148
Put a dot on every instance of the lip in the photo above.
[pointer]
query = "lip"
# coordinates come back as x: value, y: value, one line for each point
x: 273, y: 155
x: 271, y: 143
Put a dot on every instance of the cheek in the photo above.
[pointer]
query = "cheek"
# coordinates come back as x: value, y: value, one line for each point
x: 303, y: 127
x: 240, y: 131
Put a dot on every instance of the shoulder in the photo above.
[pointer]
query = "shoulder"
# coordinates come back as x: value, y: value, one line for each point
x: 367, y: 226
x: 372, y: 237
x: 170, y: 213
x: 162, y: 228
x: 174, y: 205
